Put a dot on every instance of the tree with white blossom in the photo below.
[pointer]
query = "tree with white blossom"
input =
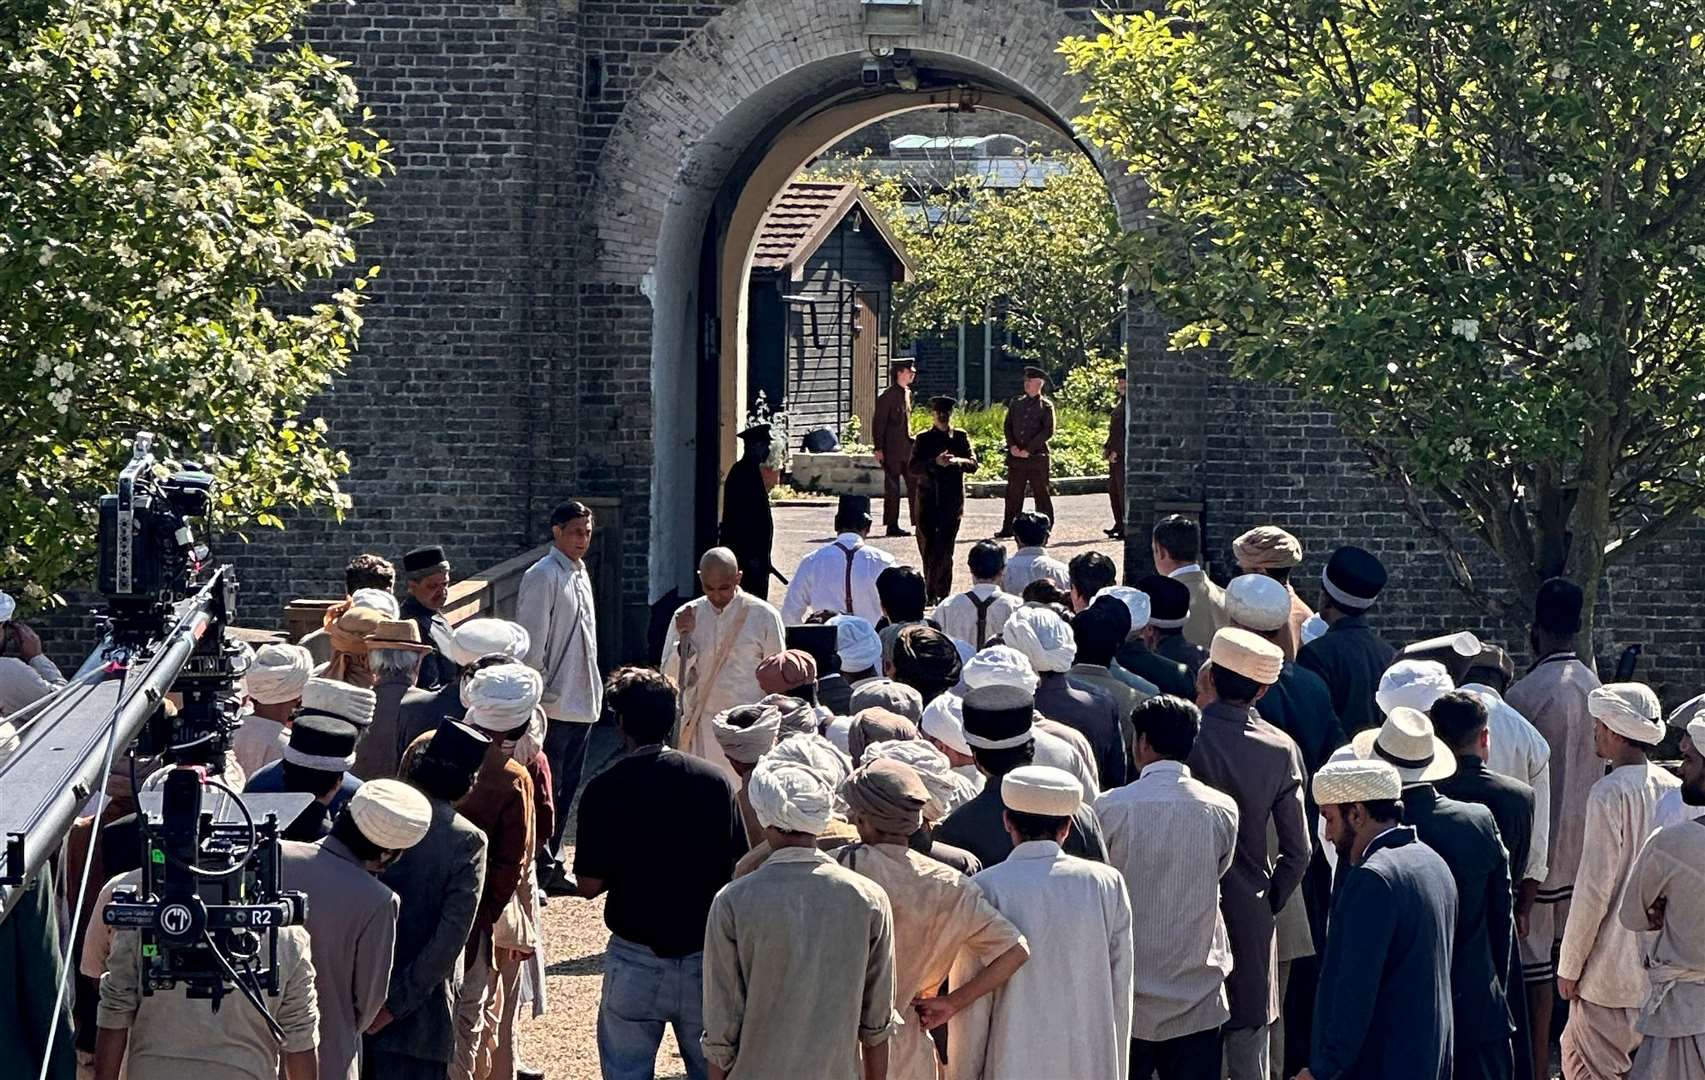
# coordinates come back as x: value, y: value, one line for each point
x: 177, y: 200
x: 1471, y: 228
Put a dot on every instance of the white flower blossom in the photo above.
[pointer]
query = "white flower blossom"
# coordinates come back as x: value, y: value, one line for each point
x: 1466, y: 329
x: 1240, y: 118
x: 1578, y: 343
x: 1561, y: 69
x: 46, y: 126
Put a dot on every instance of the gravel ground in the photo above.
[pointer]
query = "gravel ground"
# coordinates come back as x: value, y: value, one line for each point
x: 564, y: 1042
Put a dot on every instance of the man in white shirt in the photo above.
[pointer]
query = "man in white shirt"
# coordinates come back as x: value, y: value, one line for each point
x: 1031, y: 561
x: 556, y: 607
x: 713, y: 649
x: 979, y: 614
x: 26, y: 674
x: 841, y: 575
x: 1173, y: 838
x: 1672, y: 808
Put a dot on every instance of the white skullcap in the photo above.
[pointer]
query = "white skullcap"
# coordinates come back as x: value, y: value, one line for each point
x: 278, y: 673
x: 1248, y: 654
x: 789, y: 796
x: 1258, y: 602
x: 1413, y: 684
x: 1630, y: 709
x: 1688, y: 711
x: 1135, y: 600
x: 1350, y: 781
x: 1042, y: 790
x: 7, y: 606
x: 479, y: 638
x: 331, y: 697
x: 378, y: 600
x: 1000, y: 665
x: 503, y: 697
x: 857, y: 642
x: 1043, y: 637
x: 390, y: 813
x: 817, y: 754
x: 1313, y: 626
x: 944, y: 721
x: 948, y: 791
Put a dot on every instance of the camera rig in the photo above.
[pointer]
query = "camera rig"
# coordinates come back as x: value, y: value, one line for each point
x: 208, y: 903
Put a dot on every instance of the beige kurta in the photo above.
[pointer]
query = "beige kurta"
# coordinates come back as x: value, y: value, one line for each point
x: 1553, y: 697
x: 798, y: 970
x: 1597, y: 949
x: 938, y: 913
x: 1067, y: 1012
x: 258, y: 743
x: 706, y: 693
x: 1206, y: 616
x: 1671, y: 867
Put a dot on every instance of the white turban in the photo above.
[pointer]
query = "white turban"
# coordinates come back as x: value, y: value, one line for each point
x: 1630, y: 709
x: 1000, y: 665
x: 278, y: 673
x: 478, y: 638
x: 356, y: 704
x: 378, y: 600
x: 1314, y: 626
x: 747, y: 744
x: 1413, y: 683
x: 944, y: 721
x: 503, y: 697
x: 1135, y: 600
x: 390, y: 813
x: 817, y: 754
x: 948, y: 791
x: 1043, y: 637
x: 789, y: 796
x: 857, y: 642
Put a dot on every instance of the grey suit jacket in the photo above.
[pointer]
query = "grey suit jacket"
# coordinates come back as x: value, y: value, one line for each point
x: 438, y: 882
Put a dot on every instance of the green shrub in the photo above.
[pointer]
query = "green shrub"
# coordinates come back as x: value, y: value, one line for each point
x: 1075, y: 450
x: 1089, y: 386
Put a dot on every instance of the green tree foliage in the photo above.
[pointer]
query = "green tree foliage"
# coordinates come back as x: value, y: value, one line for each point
x: 1079, y: 435
x: 1472, y: 228
x: 170, y: 169
x: 1043, y: 258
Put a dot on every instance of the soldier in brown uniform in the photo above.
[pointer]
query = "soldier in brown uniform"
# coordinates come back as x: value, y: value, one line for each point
x: 1029, y: 426
x: 891, y: 434
x: 940, y: 460
x: 1114, y: 452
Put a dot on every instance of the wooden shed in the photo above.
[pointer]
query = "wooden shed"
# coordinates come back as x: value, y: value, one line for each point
x: 820, y: 305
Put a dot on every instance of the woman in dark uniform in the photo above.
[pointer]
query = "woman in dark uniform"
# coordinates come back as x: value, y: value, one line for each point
x: 941, y: 457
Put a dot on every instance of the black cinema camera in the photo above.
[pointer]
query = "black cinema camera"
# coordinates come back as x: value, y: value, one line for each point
x: 148, y: 554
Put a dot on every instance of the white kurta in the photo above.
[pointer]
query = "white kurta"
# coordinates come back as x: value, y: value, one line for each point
x: 1597, y: 949
x: 1520, y: 752
x: 957, y: 615
x: 1672, y: 811
x: 705, y: 691
x: 820, y: 583
x: 1671, y: 867
x: 1067, y: 1012
x: 22, y: 683
x: 559, y: 612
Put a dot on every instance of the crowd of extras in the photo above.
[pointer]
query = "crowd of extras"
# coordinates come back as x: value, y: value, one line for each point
x: 1051, y: 826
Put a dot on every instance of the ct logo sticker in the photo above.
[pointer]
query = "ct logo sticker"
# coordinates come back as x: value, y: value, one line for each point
x: 176, y: 919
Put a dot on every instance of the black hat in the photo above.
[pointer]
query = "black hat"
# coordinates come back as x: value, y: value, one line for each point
x: 1353, y: 578
x: 852, y: 507
x: 998, y: 717
x: 1103, y: 626
x: 757, y: 432
x: 902, y: 363
x: 457, y: 745
x: 1031, y: 372
x: 424, y: 560
x: 322, y: 742
x: 943, y: 403
x: 1557, y: 607
x: 1169, y: 601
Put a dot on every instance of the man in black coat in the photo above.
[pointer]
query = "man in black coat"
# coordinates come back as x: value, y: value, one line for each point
x: 1466, y: 836
x: 1169, y: 604
x: 1384, y: 1008
x: 1460, y: 721
x: 747, y: 527
x: 1350, y: 656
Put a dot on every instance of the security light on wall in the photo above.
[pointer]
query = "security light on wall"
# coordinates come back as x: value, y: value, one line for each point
x: 893, y: 17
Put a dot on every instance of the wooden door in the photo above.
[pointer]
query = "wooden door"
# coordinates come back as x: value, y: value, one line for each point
x: 866, y: 343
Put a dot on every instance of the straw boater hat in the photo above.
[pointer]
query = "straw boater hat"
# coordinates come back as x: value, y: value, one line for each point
x: 1630, y: 709
x: 1407, y: 742
x: 1352, y: 781
x: 397, y: 634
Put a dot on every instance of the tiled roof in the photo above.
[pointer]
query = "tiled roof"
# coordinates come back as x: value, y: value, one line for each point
x: 803, y: 216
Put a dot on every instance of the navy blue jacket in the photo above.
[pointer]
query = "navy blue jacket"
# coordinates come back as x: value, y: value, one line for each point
x: 1384, y: 1009
x: 1351, y: 658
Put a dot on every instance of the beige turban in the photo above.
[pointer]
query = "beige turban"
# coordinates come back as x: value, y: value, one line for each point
x: 1352, y: 781
x: 889, y: 795
x: 746, y: 732
x: 329, y: 697
x: 948, y: 791
x: 1042, y: 790
x: 378, y: 600
x: 390, y: 813
x: 1042, y: 637
x: 278, y: 673
x: 896, y: 697
x: 503, y: 697
x: 877, y: 725
x: 1000, y: 665
x: 1248, y: 654
x: 789, y: 796
x: 1266, y: 547
x: 1630, y: 709
x: 787, y: 670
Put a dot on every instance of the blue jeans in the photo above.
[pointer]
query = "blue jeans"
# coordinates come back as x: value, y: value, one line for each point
x: 642, y: 992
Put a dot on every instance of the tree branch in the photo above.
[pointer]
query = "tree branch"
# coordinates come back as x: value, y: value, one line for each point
x: 1649, y: 534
